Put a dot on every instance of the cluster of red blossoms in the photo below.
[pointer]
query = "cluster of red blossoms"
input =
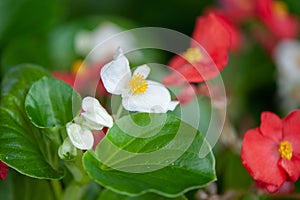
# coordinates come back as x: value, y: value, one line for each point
x: 271, y: 153
x: 218, y: 33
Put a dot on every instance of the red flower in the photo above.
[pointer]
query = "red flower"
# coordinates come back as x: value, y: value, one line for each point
x: 271, y: 153
x: 3, y: 170
x: 275, y: 16
x: 196, y: 65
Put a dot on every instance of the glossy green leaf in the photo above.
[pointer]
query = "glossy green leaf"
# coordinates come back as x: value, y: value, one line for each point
x: 24, y: 147
x: 151, y: 153
x: 52, y: 103
x: 110, y: 195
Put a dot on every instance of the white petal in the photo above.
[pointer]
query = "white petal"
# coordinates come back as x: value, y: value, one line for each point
x: 155, y: 100
x: 67, y: 150
x: 80, y: 137
x: 89, y: 103
x: 88, y: 123
x: 142, y: 70
x: 173, y: 105
x: 95, y: 115
x: 116, y: 74
x: 286, y: 56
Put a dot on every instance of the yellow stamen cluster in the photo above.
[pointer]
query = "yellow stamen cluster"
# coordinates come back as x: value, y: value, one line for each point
x: 138, y: 84
x: 280, y: 8
x: 286, y: 150
x: 193, y: 55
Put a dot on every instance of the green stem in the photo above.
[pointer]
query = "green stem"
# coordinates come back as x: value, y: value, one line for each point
x: 119, y: 112
x: 56, y: 186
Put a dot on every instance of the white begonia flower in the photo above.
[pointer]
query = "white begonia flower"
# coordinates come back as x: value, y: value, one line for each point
x: 287, y: 59
x: 86, y: 41
x: 138, y: 94
x: 94, y: 117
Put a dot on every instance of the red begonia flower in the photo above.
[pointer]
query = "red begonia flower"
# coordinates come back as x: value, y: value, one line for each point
x: 275, y: 16
x: 271, y: 153
x: 196, y: 65
x: 3, y: 170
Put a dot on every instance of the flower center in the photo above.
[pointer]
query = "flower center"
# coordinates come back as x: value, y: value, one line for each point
x: 280, y: 8
x: 286, y: 150
x: 138, y: 84
x: 193, y: 55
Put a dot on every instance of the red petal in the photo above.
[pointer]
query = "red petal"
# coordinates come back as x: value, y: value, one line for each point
x: 260, y: 157
x: 286, y: 188
x: 177, y: 62
x: 235, y: 34
x: 271, y: 126
x: 212, y: 34
x: 187, y: 94
x: 270, y: 188
x: 3, y: 170
x: 192, y: 73
x: 67, y: 77
x: 291, y: 168
x: 291, y: 130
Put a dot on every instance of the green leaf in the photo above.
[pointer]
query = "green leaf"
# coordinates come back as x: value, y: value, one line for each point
x: 49, y: 103
x: 24, y: 147
x: 17, y: 186
x: 156, y: 153
x: 110, y: 195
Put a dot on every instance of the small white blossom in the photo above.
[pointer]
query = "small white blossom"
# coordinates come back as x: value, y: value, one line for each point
x: 86, y: 41
x: 138, y: 94
x: 287, y: 59
x: 67, y: 150
x: 93, y: 117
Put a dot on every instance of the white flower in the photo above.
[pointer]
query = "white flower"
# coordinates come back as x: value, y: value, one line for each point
x: 138, y: 94
x: 81, y: 137
x: 86, y: 41
x: 94, y: 117
x: 67, y: 150
x: 287, y: 59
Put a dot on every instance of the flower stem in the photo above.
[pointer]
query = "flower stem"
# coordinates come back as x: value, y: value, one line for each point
x: 119, y: 112
x: 56, y: 186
